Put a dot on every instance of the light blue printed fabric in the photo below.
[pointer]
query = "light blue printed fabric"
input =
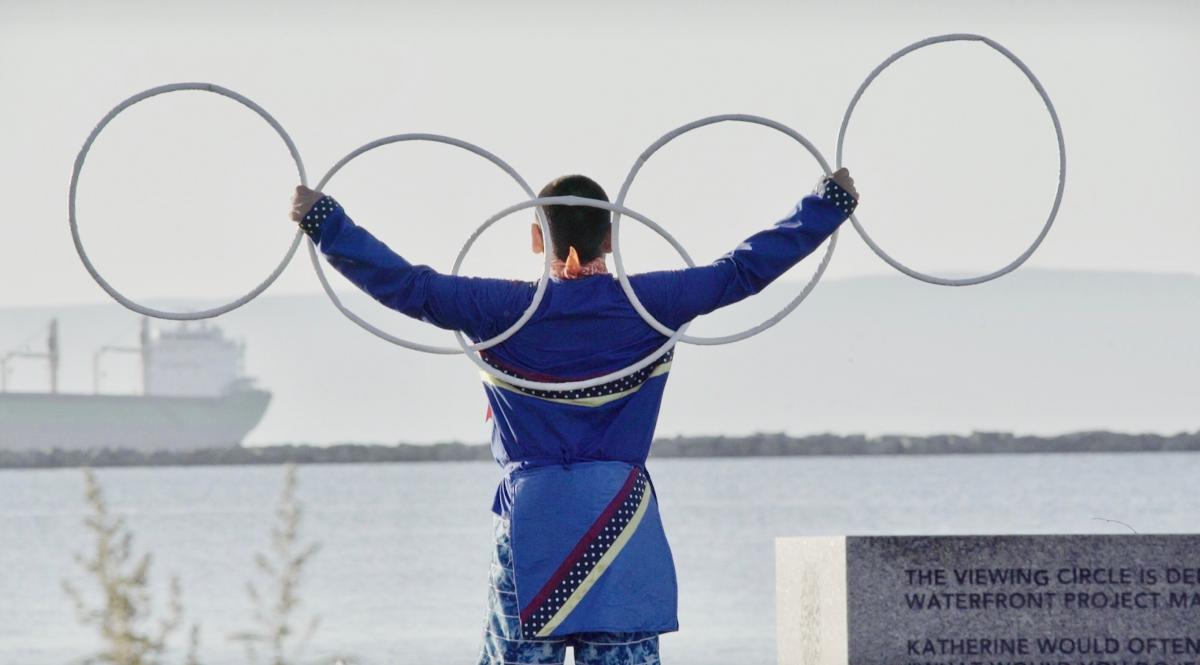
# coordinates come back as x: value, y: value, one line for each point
x: 504, y: 644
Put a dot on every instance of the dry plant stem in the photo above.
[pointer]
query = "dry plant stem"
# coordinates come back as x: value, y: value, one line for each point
x: 125, y: 612
x: 282, y: 568
x: 125, y: 618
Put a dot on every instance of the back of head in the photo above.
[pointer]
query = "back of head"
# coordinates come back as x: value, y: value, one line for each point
x: 583, y: 227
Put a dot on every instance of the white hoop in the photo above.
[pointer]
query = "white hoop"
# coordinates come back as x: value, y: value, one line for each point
x: 1062, y: 160
x: 616, y: 231
x: 83, y: 152
x: 585, y: 383
x: 417, y: 346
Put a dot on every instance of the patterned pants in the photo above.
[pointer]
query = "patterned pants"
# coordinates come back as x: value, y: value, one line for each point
x: 502, y: 640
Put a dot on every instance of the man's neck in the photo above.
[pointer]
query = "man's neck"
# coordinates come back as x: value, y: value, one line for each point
x: 561, y: 270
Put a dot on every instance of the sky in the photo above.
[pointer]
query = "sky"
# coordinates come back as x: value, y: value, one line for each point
x: 185, y: 196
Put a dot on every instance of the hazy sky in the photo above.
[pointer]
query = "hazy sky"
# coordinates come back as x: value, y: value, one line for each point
x: 186, y: 195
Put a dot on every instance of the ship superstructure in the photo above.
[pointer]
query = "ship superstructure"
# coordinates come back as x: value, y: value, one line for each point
x: 194, y: 395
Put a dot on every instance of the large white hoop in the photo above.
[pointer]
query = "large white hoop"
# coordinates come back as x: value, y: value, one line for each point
x: 623, y: 277
x: 1062, y: 160
x: 585, y: 383
x: 417, y: 346
x: 617, y: 208
x: 87, y: 146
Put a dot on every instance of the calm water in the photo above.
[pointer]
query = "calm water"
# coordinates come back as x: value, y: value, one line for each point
x: 403, y: 571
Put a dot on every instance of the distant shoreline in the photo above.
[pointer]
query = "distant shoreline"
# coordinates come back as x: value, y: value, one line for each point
x: 755, y: 445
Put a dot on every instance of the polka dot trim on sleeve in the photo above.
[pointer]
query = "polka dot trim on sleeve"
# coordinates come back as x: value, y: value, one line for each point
x: 324, y: 207
x: 834, y: 193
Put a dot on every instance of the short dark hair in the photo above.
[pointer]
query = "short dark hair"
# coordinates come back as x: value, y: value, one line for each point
x: 581, y: 227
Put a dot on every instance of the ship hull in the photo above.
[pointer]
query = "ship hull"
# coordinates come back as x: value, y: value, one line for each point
x: 43, y: 421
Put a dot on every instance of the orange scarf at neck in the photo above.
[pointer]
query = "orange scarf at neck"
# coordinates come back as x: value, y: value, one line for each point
x: 572, y: 268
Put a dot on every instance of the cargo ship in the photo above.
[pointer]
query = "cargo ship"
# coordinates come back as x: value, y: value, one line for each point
x: 193, y: 395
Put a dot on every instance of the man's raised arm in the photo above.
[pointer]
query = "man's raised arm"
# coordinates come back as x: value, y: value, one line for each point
x: 675, y: 297
x: 481, y: 308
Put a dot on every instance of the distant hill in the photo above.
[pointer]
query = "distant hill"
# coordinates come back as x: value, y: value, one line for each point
x: 755, y: 445
x: 1036, y: 352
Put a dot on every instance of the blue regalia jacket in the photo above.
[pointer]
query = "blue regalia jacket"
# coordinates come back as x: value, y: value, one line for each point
x: 589, y: 550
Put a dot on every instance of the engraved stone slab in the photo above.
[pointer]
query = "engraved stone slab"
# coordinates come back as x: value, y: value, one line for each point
x: 989, y: 600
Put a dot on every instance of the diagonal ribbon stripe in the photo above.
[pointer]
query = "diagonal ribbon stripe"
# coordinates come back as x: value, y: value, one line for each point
x: 590, y: 556
x: 602, y: 565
